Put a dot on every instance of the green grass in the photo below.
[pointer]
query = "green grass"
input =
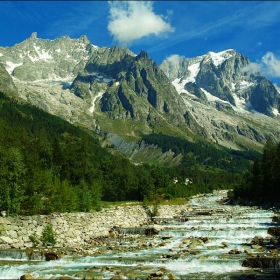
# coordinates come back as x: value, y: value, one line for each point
x: 110, y: 204
x: 175, y: 201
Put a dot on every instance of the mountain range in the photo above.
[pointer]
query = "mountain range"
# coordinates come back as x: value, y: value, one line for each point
x: 123, y: 96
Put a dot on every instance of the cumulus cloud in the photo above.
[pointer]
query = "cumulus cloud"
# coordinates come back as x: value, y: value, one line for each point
x: 269, y: 65
x: 252, y: 68
x: 133, y: 20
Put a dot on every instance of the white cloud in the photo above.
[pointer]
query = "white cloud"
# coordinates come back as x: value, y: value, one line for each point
x: 174, y: 60
x: 271, y: 64
x: 133, y: 20
x: 268, y: 66
x: 252, y: 68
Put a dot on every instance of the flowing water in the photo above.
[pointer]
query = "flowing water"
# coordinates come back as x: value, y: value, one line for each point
x: 211, y: 244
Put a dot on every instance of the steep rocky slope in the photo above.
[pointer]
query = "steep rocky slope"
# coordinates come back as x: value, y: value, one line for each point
x: 234, y: 108
x: 114, y: 90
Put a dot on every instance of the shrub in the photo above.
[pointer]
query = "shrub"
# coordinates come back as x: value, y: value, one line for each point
x: 48, y: 235
x: 34, y: 239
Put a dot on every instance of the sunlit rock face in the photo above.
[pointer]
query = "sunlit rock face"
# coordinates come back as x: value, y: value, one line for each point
x: 225, y: 99
x: 210, y: 96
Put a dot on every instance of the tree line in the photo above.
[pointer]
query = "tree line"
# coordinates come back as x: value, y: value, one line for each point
x: 49, y: 165
x: 204, y: 153
x: 261, y: 183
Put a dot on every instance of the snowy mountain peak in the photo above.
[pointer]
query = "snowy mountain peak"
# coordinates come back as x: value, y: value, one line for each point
x: 45, y: 58
x: 220, y: 57
x: 78, y: 81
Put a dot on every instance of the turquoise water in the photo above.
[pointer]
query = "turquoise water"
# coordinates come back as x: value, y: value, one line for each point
x: 196, y: 248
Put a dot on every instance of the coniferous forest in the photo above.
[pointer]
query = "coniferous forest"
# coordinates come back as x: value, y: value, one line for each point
x: 49, y: 165
x: 261, y: 183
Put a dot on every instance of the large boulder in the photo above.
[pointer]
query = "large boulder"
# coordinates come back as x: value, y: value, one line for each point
x: 26, y: 277
x: 155, y: 229
x: 262, y: 262
x: 50, y: 256
x: 274, y: 231
x: 257, y: 240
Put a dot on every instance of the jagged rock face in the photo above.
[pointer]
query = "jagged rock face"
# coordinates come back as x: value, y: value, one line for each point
x: 46, y: 59
x: 220, y: 97
x: 221, y: 75
x: 43, y: 71
x: 110, y: 62
x: 114, y: 90
x: 139, y: 86
x: 80, y: 85
x: 264, y: 97
x: 194, y: 89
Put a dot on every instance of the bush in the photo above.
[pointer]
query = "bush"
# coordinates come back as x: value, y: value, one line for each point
x: 34, y: 239
x: 48, y: 235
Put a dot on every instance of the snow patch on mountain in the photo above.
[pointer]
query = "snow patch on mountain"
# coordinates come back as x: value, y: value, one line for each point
x: 33, y: 59
x: 52, y: 81
x: 220, y: 57
x: 1, y: 54
x: 11, y: 66
x: 212, y: 98
x: 43, y: 55
x: 99, y: 95
x: 275, y: 112
x: 241, y: 105
x: 194, y: 69
x: 245, y: 84
x: 179, y: 85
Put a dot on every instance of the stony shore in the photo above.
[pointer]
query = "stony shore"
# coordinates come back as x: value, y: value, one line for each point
x: 79, y: 229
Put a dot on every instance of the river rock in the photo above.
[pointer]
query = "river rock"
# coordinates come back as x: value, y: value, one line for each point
x: 26, y: 277
x: 192, y: 246
x: 155, y: 229
x: 234, y: 252
x: 225, y: 244
x: 256, y: 246
x: 257, y: 240
x: 50, y: 256
x: 276, y: 218
x: 5, y: 221
x: 28, y: 244
x: 274, y: 231
x: 3, y: 214
x: 13, y: 234
x: 156, y: 275
x: 262, y: 262
x: 6, y: 239
x: 172, y: 276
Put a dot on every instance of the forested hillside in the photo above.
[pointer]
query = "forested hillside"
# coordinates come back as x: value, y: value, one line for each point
x: 262, y: 182
x: 204, y: 153
x: 47, y: 165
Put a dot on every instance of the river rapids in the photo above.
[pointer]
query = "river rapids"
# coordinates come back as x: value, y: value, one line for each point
x: 210, y: 242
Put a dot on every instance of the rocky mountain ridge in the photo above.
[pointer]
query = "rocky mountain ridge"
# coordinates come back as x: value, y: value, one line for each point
x: 224, y: 76
x: 114, y: 90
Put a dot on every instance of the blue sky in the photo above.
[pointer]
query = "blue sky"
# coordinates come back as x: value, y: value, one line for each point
x: 161, y: 28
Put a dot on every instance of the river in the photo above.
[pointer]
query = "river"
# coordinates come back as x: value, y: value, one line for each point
x: 208, y: 242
